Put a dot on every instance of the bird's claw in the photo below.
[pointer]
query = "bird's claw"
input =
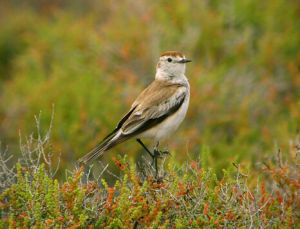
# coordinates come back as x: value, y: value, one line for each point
x: 159, y: 154
x: 165, y: 152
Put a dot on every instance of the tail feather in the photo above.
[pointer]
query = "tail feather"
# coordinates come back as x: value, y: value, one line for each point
x: 113, y: 139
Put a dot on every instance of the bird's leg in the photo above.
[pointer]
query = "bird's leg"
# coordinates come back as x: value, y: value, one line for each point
x: 155, y: 155
x: 142, y: 144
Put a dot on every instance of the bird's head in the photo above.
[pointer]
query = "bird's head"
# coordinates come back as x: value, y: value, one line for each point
x: 171, y: 64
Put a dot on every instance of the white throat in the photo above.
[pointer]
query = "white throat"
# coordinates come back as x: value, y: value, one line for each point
x: 174, y: 77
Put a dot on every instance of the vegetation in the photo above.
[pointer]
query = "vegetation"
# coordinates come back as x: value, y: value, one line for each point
x: 88, y: 60
x: 244, y: 76
x: 184, y: 196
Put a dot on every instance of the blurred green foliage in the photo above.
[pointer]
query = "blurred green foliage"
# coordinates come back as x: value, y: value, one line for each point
x: 92, y: 59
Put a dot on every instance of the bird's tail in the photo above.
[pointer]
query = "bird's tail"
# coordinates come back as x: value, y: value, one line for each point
x: 110, y: 141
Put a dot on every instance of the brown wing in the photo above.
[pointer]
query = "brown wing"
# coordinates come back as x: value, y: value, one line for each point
x: 159, y: 100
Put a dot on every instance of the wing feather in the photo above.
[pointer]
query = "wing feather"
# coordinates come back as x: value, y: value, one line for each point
x: 152, y: 108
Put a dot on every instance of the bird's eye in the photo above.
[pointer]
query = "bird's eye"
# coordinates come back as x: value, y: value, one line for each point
x: 169, y: 59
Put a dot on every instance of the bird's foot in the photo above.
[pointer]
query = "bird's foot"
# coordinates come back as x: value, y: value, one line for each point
x: 166, y: 152
x: 160, y: 154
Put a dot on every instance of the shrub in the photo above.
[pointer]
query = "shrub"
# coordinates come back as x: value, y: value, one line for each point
x: 244, y: 76
x: 184, y: 196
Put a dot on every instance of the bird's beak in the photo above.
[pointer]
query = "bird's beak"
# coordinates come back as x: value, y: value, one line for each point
x: 184, y: 61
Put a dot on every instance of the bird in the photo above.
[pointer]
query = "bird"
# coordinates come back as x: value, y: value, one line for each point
x: 156, y: 113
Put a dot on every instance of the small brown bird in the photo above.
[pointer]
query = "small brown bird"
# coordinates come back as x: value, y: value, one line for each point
x: 158, y: 110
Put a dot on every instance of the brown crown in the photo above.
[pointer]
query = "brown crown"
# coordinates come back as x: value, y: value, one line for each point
x: 172, y: 53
